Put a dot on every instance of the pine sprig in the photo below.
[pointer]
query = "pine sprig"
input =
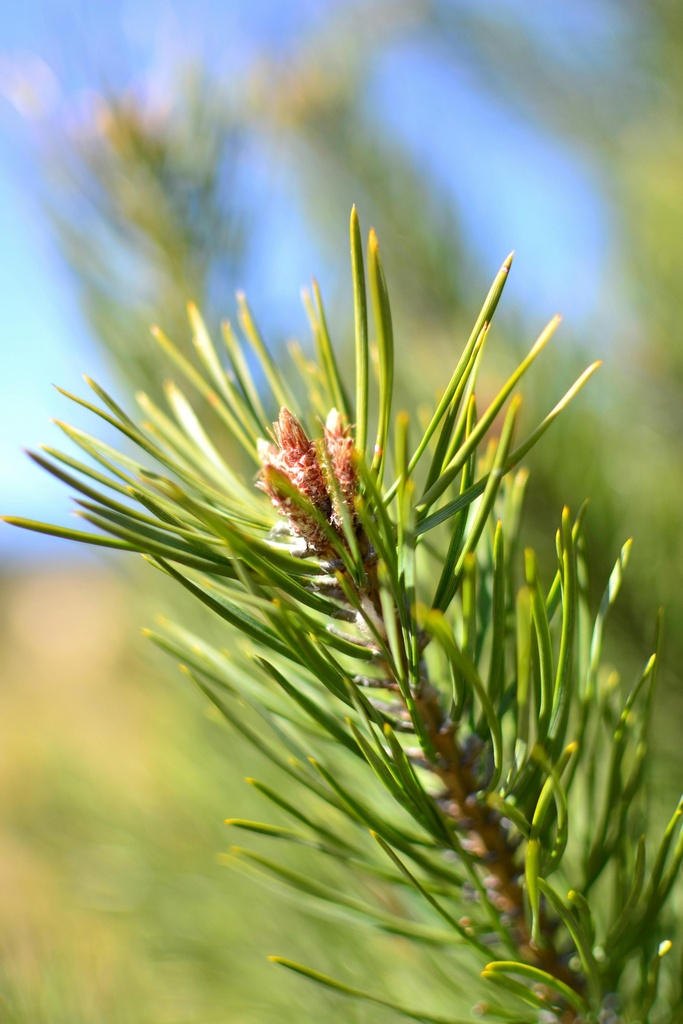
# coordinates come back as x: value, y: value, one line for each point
x: 393, y: 656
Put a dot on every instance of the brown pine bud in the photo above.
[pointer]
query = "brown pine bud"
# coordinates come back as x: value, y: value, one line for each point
x: 300, y: 461
x: 293, y: 464
x: 339, y: 445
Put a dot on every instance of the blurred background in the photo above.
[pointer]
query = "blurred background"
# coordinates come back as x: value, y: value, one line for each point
x: 155, y: 152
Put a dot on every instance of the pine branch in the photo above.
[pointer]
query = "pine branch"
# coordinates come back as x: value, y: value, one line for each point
x: 383, y: 655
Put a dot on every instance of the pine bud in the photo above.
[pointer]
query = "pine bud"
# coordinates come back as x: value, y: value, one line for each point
x: 293, y: 464
x: 339, y: 445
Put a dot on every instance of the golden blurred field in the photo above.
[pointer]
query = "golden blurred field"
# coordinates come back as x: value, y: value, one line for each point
x: 114, y: 784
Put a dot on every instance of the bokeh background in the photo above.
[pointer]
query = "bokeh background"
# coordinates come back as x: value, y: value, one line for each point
x: 155, y: 152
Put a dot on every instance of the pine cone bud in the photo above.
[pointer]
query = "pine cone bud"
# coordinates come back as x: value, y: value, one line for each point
x: 339, y: 445
x: 294, y: 461
x: 300, y: 461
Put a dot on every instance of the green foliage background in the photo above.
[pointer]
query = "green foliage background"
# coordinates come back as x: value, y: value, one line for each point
x: 132, y: 780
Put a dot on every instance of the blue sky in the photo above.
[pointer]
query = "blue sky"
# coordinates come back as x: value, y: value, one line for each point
x: 515, y: 186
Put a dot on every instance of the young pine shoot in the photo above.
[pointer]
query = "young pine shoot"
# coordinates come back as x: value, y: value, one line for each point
x: 400, y: 661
